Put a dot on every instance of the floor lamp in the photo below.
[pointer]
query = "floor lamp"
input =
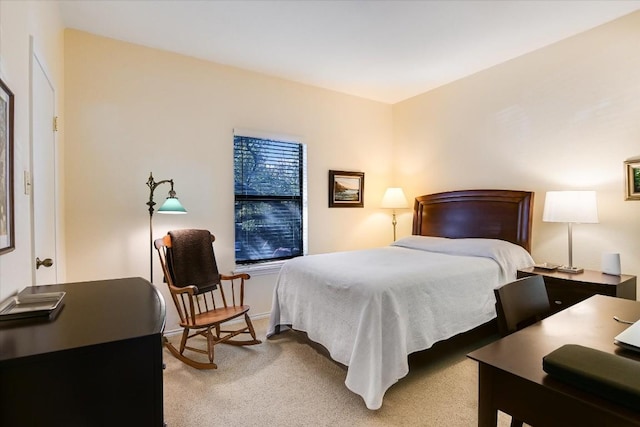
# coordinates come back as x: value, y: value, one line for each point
x: 170, y: 206
x: 572, y: 207
x: 394, y: 199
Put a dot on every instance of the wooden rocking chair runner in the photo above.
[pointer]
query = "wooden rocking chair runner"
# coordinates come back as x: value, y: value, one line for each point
x: 204, y: 298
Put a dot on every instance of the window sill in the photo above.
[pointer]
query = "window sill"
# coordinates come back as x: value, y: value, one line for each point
x: 260, y: 269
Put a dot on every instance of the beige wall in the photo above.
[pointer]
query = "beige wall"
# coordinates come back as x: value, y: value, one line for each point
x: 21, y: 22
x: 563, y: 117
x: 131, y: 110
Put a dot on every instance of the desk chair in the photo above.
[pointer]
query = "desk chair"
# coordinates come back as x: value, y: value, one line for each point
x: 205, y: 299
x: 520, y: 304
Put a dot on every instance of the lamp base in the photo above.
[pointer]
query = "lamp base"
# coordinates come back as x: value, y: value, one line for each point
x: 572, y: 270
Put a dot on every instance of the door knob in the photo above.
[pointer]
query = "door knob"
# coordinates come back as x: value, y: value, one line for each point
x: 47, y: 262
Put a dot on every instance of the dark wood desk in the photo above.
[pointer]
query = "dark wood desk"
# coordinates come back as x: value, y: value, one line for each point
x: 98, y: 363
x: 511, y: 378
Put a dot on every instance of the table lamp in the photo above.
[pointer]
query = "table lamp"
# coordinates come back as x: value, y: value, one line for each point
x: 394, y: 199
x: 572, y: 207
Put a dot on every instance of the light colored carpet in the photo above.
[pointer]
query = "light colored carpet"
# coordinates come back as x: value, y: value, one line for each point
x: 289, y: 381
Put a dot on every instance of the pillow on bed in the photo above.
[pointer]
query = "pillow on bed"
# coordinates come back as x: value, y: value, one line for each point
x: 421, y: 242
x: 509, y: 256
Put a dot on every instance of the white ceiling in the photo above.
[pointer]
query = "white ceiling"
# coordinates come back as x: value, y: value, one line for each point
x: 386, y: 51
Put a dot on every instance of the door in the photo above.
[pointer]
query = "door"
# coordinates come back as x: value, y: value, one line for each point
x: 43, y: 174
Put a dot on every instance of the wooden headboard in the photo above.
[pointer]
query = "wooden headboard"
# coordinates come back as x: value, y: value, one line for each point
x: 495, y: 214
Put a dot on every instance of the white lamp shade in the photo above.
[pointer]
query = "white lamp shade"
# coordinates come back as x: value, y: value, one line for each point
x: 394, y: 198
x: 172, y: 206
x: 570, y: 206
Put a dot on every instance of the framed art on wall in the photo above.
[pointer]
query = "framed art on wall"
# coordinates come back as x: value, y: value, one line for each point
x: 346, y: 189
x: 7, y: 240
x: 632, y: 174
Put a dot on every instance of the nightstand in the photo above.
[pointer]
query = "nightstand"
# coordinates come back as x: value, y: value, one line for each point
x: 566, y: 289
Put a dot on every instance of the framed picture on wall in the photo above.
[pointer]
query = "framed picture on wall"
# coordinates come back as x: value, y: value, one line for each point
x: 7, y: 241
x: 632, y: 173
x: 346, y: 189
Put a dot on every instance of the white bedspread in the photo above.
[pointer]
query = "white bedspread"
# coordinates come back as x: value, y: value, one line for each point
x: 372, y: 308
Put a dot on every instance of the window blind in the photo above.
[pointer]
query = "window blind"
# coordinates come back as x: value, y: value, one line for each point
x: 268, y: 187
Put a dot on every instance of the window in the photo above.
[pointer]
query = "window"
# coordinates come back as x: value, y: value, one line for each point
x: 269, y: 181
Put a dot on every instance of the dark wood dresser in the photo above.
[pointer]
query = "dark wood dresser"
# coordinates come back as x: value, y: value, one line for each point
x: 98, y: 362
x: 566, y: 289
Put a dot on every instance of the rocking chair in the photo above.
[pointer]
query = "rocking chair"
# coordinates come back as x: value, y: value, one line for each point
x: 204, y: 298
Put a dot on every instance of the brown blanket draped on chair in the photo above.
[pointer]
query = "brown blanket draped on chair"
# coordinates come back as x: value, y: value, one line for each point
x: 191, y: 260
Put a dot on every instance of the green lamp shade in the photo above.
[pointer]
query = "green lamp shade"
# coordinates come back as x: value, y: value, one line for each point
x: 172, y: 206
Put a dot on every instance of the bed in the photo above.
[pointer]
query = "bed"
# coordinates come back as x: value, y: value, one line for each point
x: 372, y: 308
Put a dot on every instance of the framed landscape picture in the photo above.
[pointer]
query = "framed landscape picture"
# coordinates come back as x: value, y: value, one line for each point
x: 7, y: 241
x: 346, y: 189
x: 632, y: 173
